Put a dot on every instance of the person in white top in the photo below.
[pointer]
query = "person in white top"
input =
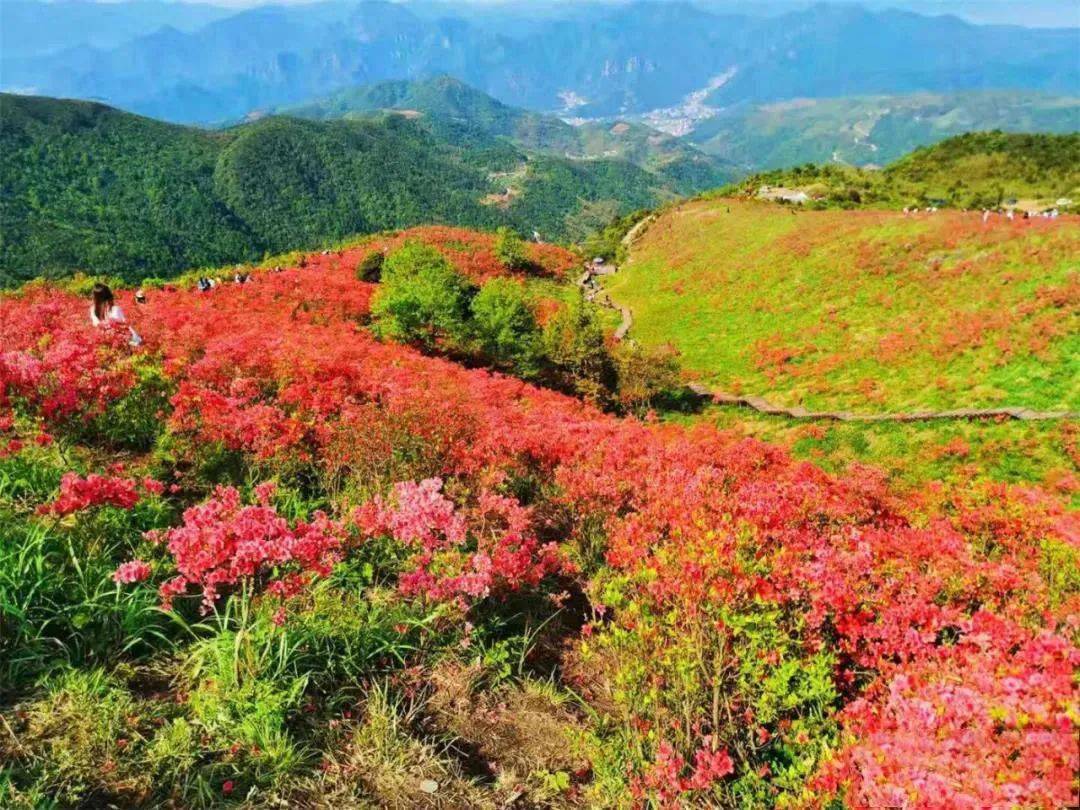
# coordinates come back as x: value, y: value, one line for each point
x: 106, y: 312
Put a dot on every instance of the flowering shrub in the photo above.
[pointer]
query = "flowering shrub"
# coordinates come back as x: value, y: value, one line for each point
x: 506, y: 556
x: 761, y: 626
x: 665, y: 783
x: 222, y: 542
x: 131, y: 571
x: 70, y: 375
x: 78, y: 493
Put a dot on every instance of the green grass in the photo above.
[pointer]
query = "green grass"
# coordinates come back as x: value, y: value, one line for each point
x: 911, y: 454
x: 862, y: 310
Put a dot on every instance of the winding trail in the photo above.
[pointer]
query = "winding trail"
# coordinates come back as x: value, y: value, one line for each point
x: 762, y: 405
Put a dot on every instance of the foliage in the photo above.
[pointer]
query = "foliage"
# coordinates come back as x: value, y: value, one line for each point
x: 744, y: 629
x: 91, y: 188
x: 505, y: 326
x: 421, y: 299
x: 510, y: 250
x: 574, y: 341
x: 644, y: 374
x: 607, y: 241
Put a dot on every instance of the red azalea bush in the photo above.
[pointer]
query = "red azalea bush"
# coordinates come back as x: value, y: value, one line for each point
x: 507, y: 556
x: 78, y: 493
x: 223, y: 542
x: 761, y: 625
x: 53, y: 365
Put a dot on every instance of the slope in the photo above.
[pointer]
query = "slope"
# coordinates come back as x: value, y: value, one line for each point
x: 864, y: 310
x: 974, y: 170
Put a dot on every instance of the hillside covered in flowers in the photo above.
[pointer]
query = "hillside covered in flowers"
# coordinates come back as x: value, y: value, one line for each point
x: 276, y: 555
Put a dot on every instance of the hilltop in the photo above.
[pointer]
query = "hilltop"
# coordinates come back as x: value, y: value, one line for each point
x: 973, y: 170
x: 89, y: 187
x: 273, y: 555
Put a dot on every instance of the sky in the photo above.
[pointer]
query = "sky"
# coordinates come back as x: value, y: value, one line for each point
x: 1040, y: 13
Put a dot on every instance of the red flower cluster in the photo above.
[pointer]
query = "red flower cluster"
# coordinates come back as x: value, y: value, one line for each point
x: 222, y: 542
x: 131, y: 571
x: 54, y: 364
x: 507, y: 557
x: 665, y: 781
x: 78, y: 493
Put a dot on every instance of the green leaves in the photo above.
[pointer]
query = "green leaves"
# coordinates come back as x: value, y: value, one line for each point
x: 505, y: 326
x: 422, y: 300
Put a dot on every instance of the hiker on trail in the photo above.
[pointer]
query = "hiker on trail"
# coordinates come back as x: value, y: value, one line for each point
x: 204, y: 284
x: 105, y: 312
x: 986, y: 215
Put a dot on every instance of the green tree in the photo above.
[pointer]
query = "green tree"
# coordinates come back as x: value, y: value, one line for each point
x: 422, y: 299
x: 505, y: 326
x: 645, y: 373
x: 574, y: 343
x: 510, y: 250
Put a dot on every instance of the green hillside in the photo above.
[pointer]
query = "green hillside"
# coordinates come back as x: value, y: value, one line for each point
x: 873, y: 130
x: 88, y: 187
x: 864, y: 310
x: 975, y: 170
x: 465, y: 115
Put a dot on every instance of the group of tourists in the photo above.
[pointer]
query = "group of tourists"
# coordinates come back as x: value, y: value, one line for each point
x: 1010, y: 214
x: 105, y: 312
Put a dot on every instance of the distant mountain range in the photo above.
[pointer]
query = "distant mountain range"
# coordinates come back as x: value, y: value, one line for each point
x: 596, y: 61
x: 872, y: 130
x: 464, y: 115
x: 974, y: 170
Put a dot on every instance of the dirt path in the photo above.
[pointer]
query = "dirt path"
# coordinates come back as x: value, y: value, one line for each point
x: 762, y: 405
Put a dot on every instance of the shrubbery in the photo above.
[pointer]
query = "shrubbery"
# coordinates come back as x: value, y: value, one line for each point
x: 450, y: 554
x: 423, y: 300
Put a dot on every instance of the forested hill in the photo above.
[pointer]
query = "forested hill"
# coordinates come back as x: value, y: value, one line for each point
x: 1040, y: 165
x: 88, y: 187
x: 462, y: 114
x: 975, y: 170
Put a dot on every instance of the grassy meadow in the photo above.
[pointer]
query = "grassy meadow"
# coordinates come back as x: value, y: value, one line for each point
x: 863, y: 310
x: 873, y: 311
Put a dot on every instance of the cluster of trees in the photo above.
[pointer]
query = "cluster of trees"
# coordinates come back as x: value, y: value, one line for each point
x: 423, y: 300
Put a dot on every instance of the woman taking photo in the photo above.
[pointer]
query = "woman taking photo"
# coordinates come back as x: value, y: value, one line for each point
x: 106, y: 312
